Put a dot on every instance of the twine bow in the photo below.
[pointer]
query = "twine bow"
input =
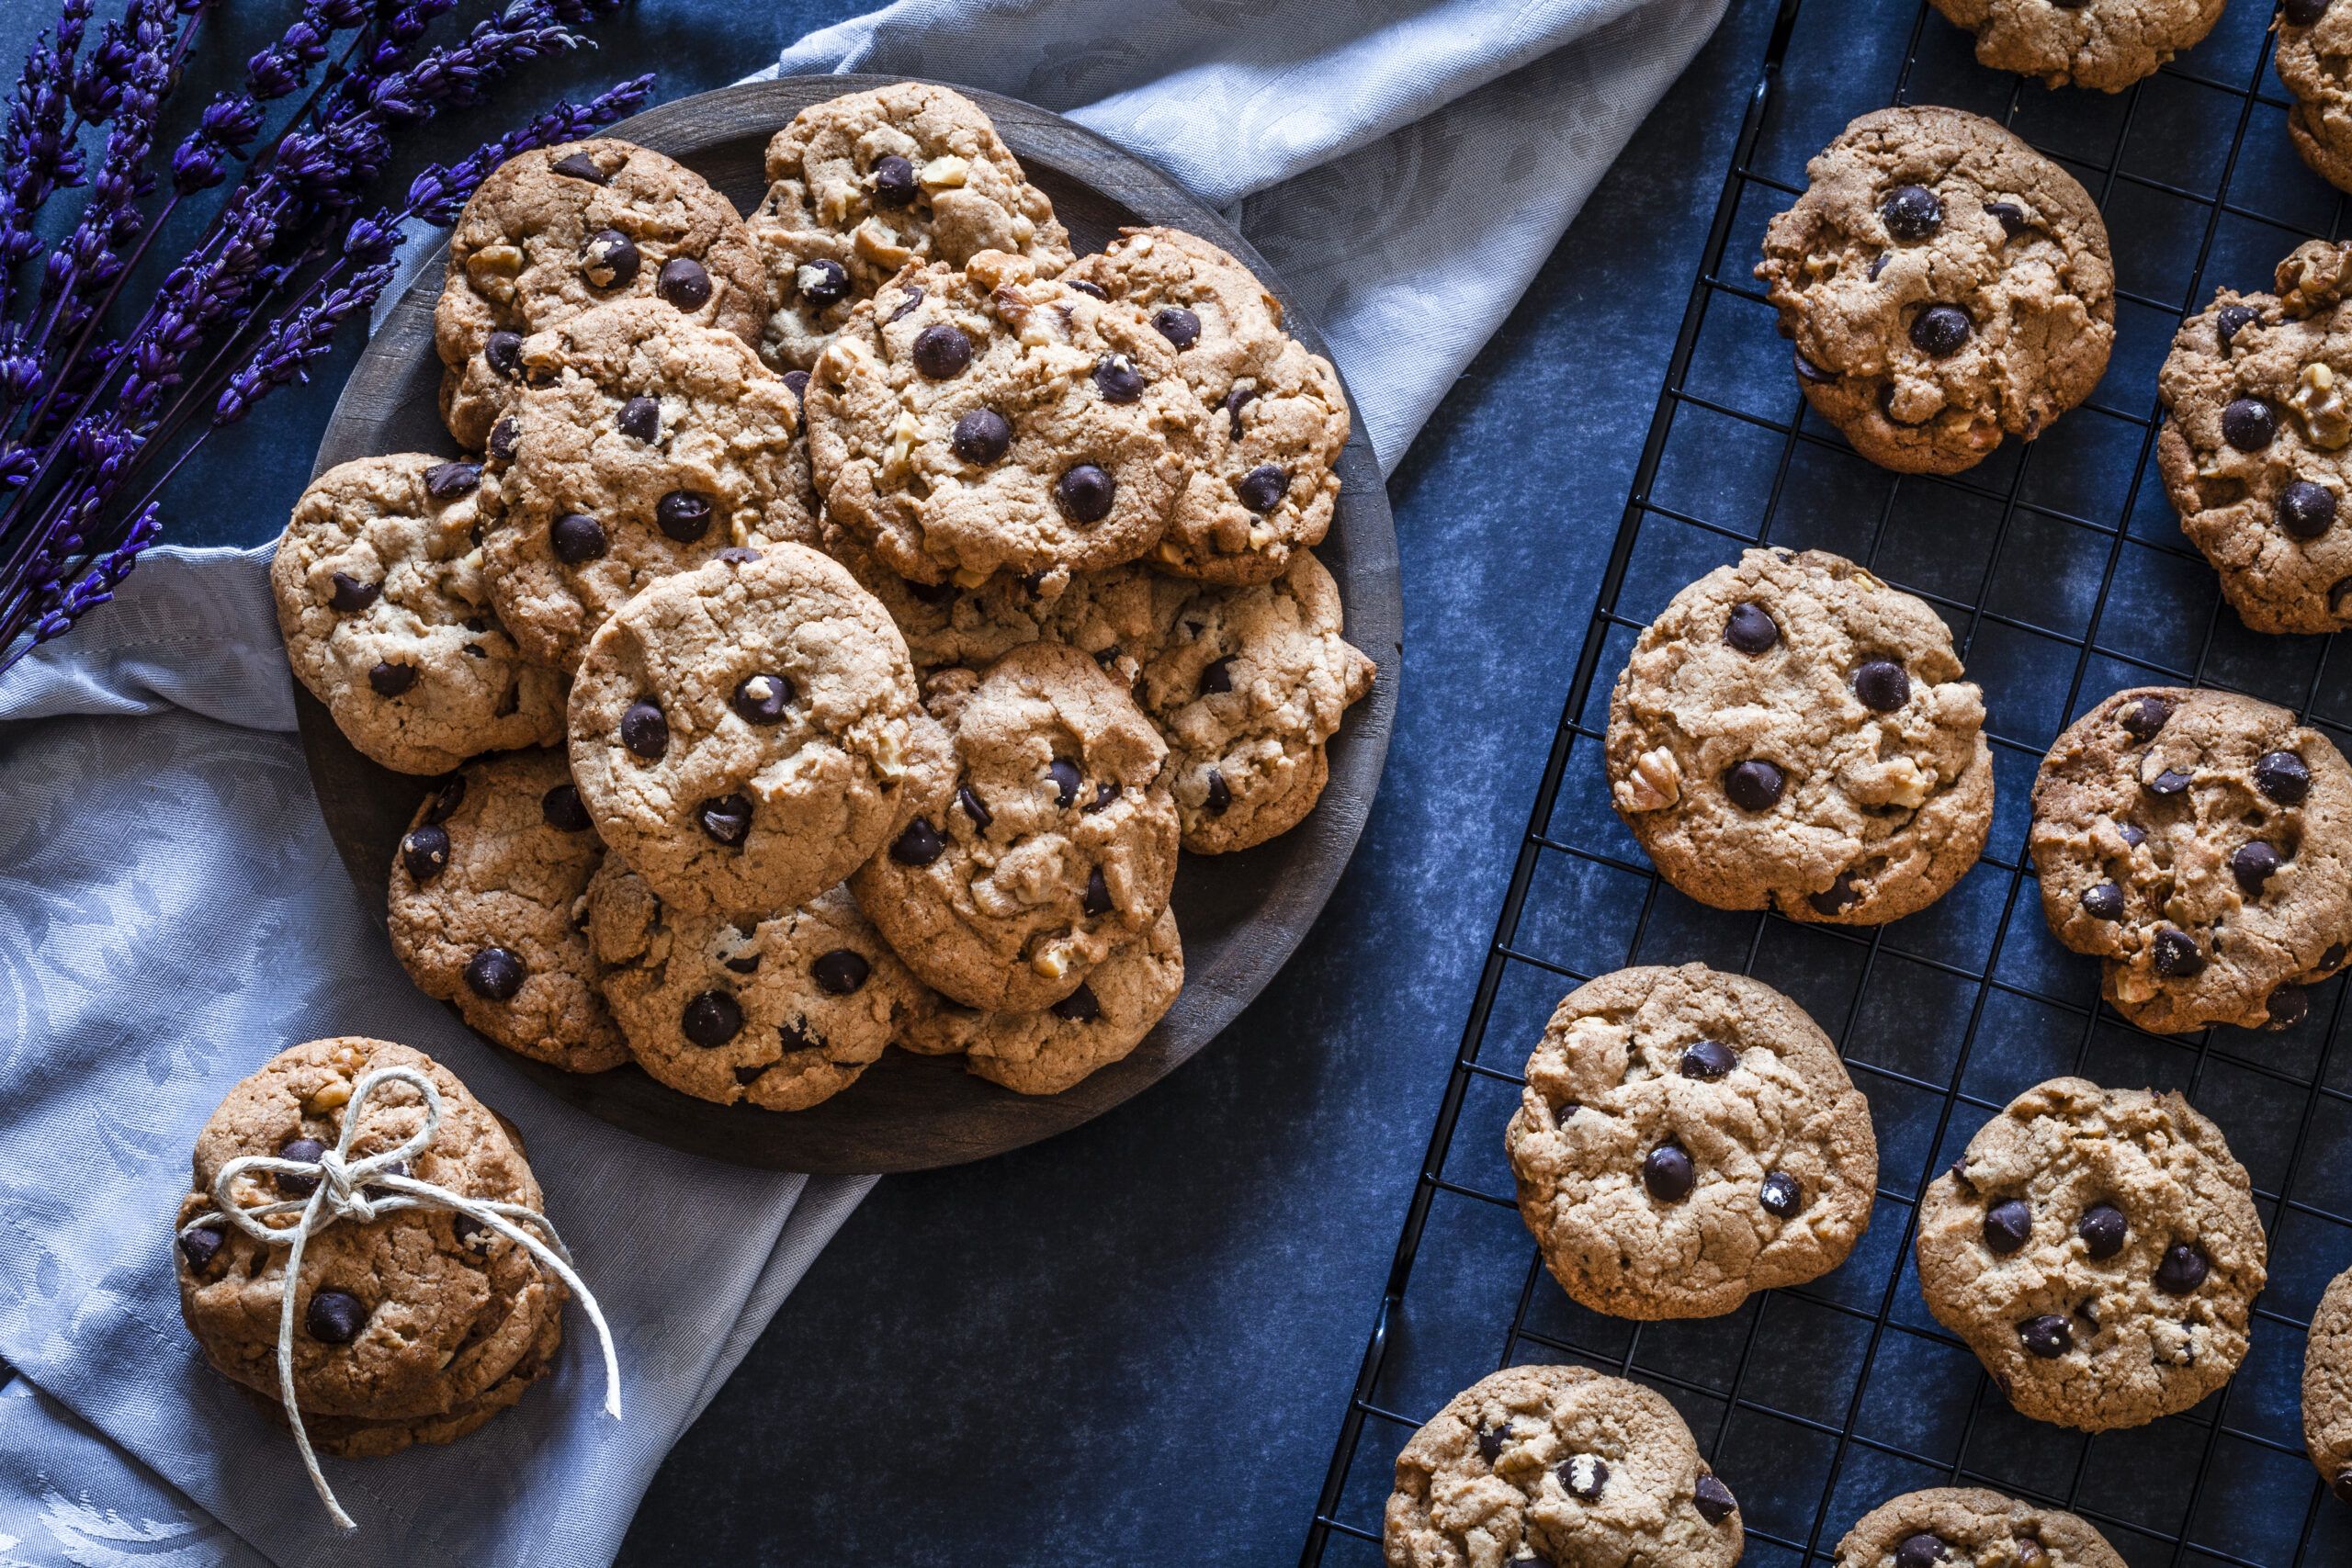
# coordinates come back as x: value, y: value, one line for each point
x: 368, y: 1189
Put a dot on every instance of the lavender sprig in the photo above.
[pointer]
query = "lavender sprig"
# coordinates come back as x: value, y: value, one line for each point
x: 294, y: 341
x: 96, y: 586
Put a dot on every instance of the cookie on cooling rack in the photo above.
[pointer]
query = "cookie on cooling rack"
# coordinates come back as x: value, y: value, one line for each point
x: 1946, y: 285
x: 1560, y: 1465
x: 2098, y: 1250
x: 2106, y: 44
x: 2315, y: 37
x: 2327, y: 1387
x: 1959, y: 1526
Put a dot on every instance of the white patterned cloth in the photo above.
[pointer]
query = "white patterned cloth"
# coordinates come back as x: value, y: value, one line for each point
x: 172, y: 912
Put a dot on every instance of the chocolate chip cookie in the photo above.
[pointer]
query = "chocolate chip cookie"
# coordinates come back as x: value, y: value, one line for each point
x: 2315, y: 39
x: 2098, y: 1249
x: 387, y: 621
x: 1558, y: 1465
x: 485, y: 908
x: 783, y: 1012
x: 1057, y: 840
x: 1050, y: 1050
x: 1791, y: 733
x: 2327, y: 1387
x: 558, y: 231
x: 414, y: 1326
x: 744, y: 734
x: 945, y: 623
x: 2200, y: 844
x: 650, y: 445
x: 2254, y: 448
x: 863, y: 185
x: 1277, y: 421
x: 1946, y: 286
x: 2106, y: 44
x: 1963, y: 1526
x: 995, y: 419
x: 1686, y: 1139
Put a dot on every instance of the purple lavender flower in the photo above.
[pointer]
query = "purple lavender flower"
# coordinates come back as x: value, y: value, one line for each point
x: 294, y: 341
x: 437, y: 194
x: 95, y: 586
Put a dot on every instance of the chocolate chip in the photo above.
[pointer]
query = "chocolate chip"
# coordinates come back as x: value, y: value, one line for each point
x: 1097, y: 902
x: 1117, y: 377
x: 2306, y: 510
x: 1584, y: 1475
x: 2253, y: 865
x: 2334, y: 955
x: 912, y: 297
x: 334, y: 1318
x: 494, y: 974
x: 1667, y: 1173
x: 2048, y: 1337
x: 683, y: 283
x: 1808, y: 371
x: 1091, y: 289
x: 822, y: 283
x: 1782, y: 1196
x: 684, y: 514
x: 747, y: 1077
x: 919, y: 845
x: 640, y: 418
x: 1216, y: 676
x: 2142, y: 719
x: 425, y: 852
x: 1749, y: 630
x: 2183, y: 1270
x: 2249, y: 425
x: 1882, y: 686
x: 1066, y: 777
x: 561, y: 809
x: 447, y: 799
x: 580, y: 167
x: 447, y: 481
x: 502, y: 351
x: 2178, y: 955
x: 1921, y: 1550
x: 712, y: 1018
x: 2008, y: 1224
x: 725, y: 819
x: 744, y: 962
x: 763, y: 698
x: 2229, y: 321
x: 1940, y: 330
x: 894, y: 181
x: 2288, y: 1006
x: 350, y: 596
x: 942, y: 350
x: 1707, y: 1059
x: 1238, y: 398
x: 504, y: 437
x: 1084, y: 493
x: 2012, y: 216
x: 2172, y: 781
x: 1837, y: 898
x: 1220, y: 796
x: 576, y: 537
x: 200, y: 1248
x: 610, y: 259
x: 2281, y: 775
x: 1105, y: 793
x: 2303, y: 13
x: 2102, y: 1228
x: 1080, y: 1007
x: 1178, y: 325
x: 974, y: 807
x: 1490, y: 1444
x: 644, y: 730
x: 1262, y: 487
x: 1754, y: 785
x: 1714, y: 1500
x: 799, y: 381
x: 839, y: 971
x: 982, y: 436
x: 292, y: 1184
x: 2103, y: 901
x: 1911, y: 212
x: 390, y: 679
x: 2133, y: 834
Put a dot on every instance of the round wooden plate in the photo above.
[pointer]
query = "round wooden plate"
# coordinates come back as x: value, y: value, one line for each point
x: 1242, y: 915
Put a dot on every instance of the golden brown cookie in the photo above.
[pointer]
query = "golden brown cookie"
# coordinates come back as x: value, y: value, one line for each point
x: 2106, y: 44
x: 2315, y: 38
x: 1958, y: 1527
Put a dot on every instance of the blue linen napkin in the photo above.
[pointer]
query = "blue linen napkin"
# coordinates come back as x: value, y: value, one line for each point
x: 172, y: 912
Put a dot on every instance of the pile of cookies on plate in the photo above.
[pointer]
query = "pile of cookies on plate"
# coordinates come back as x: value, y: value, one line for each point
x: 842, y: 616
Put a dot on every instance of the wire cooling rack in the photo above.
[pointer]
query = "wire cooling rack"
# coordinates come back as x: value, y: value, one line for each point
x: 2062, y: 571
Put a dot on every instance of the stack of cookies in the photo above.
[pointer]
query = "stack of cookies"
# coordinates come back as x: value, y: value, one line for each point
x: 842, y: 615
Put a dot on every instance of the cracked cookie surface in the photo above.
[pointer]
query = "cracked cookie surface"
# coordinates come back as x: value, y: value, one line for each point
x: 652, y: 446
x: 965, y: 423
x: 2200, y: 844
x: 1276, y: 421
x: 484, y: 909
x: 2314, y: 42
x: 2257, y: 395
x: 1688, y: 1137
x: 744, y: 733
x: 1560, y: 1465
x: 562, y: 230
x: 862, y: 186
x: 1946, y: 286
x: 1970, y: 1527
x: 2327, y: 1387
x: 387, y: 620
x: 1056, y: 838
x: 2106, y: 44
x: 2098, y: 1250
x: 1791, y: 733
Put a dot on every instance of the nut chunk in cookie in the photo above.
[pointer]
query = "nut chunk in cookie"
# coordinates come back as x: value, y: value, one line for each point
x: 2098, y: 1250
x: 1057, y: 840
x: 965, y: 423
x: 746, y: 733
x: 414, y: 1326
x: 484, y: 909
x: 1561, y: 1466
x: 1791, y: 733
x: 650, y: 445
x: 562, y: 230
x: 2200, y: 843
x: 387, y: 621
x: 2106, y: 44
x: 1946, y: 286
x: 1686, y: 1139
x: 2315, y: 39
x: 2257, y: 444
x: 1964, y: 1525
x: 863, y: 185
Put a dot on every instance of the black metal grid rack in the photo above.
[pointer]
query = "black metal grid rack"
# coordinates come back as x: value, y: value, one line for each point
x: 2063, y: 572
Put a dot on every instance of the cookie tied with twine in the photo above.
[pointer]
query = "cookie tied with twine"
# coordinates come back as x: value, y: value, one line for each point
x: 334, y: 1184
